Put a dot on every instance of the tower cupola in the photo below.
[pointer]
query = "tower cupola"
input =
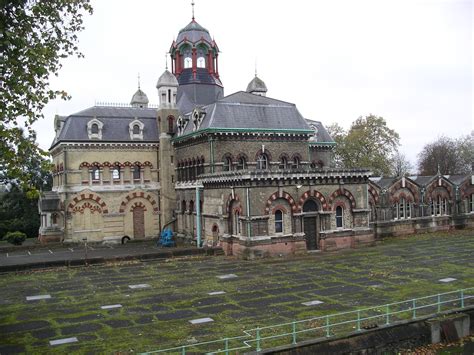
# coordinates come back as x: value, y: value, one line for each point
x: 167, y: 86
x: 139, y: 99
x: 257, y: 87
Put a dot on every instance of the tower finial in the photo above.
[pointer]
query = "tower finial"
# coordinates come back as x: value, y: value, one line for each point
x: 166, y: 60
x: 138, y: 81
x: 255, y: 66
x: 192, y: 4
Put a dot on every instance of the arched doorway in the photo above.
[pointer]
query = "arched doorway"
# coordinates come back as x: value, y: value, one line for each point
x: 215, y: 234
x: 139, y: 222
x: 310, y: 219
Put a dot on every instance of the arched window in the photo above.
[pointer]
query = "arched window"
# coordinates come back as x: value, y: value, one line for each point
x: 227, y: 164
x: 116, y: 172
x: 262, y: 162
x: 201, y: 62
x: 339, y: 217
x: 278, y: 221
x: 401, y: 209
x: 237, y: 222
x: 283, y: 163
x: 296, y: 163
x: 95, y: 173
x: 54, y: 219
x: 445, y: 206
x: 471, y: 203
x: 408, y: 210
x: 191, y: 206
x: 136, y: 129
x: 242, y: 164
x: 170, y: 124
x: 188, y: 62
x: 183, y: 206
x: 136, y: 172
x: 95, y: 128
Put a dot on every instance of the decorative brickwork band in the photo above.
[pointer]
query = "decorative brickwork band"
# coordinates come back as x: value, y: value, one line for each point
x: 345, y: 193
x: 408, y: 185
x: 439, y: 184
x: 86, y: 196
x: 138, y: 204
x: 315, y: 194
x: 138, y: 194
x: 284, y: 195
x: 374, y: 194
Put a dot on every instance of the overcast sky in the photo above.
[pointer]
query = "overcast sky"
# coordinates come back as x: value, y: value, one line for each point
x: 409, y: 61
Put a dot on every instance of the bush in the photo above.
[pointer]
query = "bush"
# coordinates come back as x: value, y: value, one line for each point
x: 15, y: 238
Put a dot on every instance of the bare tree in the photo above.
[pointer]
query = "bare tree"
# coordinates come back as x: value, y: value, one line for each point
x: 401, y: 166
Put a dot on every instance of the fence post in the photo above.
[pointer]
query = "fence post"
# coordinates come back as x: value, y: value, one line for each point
x: 226, y: 346
x: 328, y: 334
x: 358, y: 320
x: 258, y: 339
x: 439, y: 303
x: 387, y: 315
x: 414, y: 308
x: 462, y: 298
x: 293, y: 326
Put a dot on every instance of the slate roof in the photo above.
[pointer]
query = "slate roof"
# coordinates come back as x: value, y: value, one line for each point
x: 202, y: 77
x: 248, y: 111
x: 383, y: 182
x: 322, y: 135
x: 256, y: 85
x: 116, y: 122
x: 193, y: 32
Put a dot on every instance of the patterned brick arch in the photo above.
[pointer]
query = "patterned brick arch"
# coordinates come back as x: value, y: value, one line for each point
x: 134, y: 195
x: 228, y: 203
x: 315, y: 194
x: 408, y: 185
x: 435, y: 184
x: 284, y: 195
x: 138, y: 204
x: 466, y: 188
x: 374, y: 194
x: 87, y: 196
x: 84, y: 165
x: 402, y: 195
x: 345, y: 193
x: 86, y: 205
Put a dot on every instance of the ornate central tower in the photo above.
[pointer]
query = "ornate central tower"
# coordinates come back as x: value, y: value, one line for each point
x: 194, y: 57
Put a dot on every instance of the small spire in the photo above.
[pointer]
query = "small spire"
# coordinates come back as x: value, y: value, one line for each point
x: 192, y: 4
x: 138, y: 81
x: 255, y: 66
x: 166, y: 61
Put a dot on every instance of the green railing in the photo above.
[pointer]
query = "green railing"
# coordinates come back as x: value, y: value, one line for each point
x: 338, y: 324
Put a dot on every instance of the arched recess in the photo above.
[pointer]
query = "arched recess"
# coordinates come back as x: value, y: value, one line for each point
x: 316, y: 195
x: 284, y: 195
x: 234, y: 211
x: 408, y: 185
x: 440, y: 187
x: 138, y: 194
x: 374, y: 194
x: 140, y: 215
x: 343, y: 192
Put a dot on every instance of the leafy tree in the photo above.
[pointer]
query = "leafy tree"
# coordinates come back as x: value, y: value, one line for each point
x: 369, y: 143
x: 450, y: 156
x: 35, y: 36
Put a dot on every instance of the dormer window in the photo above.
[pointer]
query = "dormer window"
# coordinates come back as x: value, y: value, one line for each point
x: 94, y: 129
x: 136, y: 130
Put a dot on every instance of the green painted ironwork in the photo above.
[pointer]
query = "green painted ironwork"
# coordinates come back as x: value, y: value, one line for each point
x: 337, y: 324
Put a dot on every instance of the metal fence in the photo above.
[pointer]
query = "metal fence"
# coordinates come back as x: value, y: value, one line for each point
x: 338, y: 324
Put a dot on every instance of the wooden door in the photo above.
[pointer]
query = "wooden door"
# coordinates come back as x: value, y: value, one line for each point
x: 138, y: 222
x: 310, y: 232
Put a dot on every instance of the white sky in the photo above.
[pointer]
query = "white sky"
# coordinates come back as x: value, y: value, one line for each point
x: 409, y: 61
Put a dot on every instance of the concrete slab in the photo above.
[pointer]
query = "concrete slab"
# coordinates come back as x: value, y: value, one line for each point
x: 201, y: 320
x: 312, y: 303
x: 139, y: 286
x: 38, y: 297
x: 216, y: 293
x: 447, y: 279
x: 227, y: 276
x: 111, y: 306
x: 63, y: 341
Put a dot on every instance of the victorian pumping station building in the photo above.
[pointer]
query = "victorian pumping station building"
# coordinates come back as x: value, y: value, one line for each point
x: 244, y: 171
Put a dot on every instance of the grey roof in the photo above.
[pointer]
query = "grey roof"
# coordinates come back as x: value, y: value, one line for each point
x: 116, y: 122
x: 256, y: 85
x: 248, y: 111
x: 139, y: 98
x: 457, y: 179
x: 422, y: 180
x: 383, y: 182
x: 322, y: 135
x: 167, y: 79
x: 193, y: 32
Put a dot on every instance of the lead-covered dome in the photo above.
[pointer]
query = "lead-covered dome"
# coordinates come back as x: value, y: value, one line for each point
x: 193, y: 33
x: 167, y: 79
x: 257, y: 87
x: 139, y: 99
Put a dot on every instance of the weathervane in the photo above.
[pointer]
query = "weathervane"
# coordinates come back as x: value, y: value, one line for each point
x: 138, y: 81
x: 192, y: 4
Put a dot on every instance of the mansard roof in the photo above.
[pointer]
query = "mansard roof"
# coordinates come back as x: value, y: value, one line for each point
x: 321, y: 134
x: 115, y: 121
x: 243, y: 111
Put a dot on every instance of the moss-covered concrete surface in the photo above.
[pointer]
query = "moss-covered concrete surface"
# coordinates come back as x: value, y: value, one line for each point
x: 265, y: 292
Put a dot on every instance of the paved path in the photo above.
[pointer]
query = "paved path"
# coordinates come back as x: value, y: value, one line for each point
x: 82, y: 303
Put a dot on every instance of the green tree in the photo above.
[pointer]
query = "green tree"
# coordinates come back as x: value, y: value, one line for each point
x: 450, y: 156
x: 369, y: 143
x: 35, y: 36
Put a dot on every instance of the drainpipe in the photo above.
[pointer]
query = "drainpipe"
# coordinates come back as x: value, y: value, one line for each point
x: 198, y: 216
x: 248, y: 212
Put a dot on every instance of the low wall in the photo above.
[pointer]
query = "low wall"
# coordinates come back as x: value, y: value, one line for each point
x: 263, y: 248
